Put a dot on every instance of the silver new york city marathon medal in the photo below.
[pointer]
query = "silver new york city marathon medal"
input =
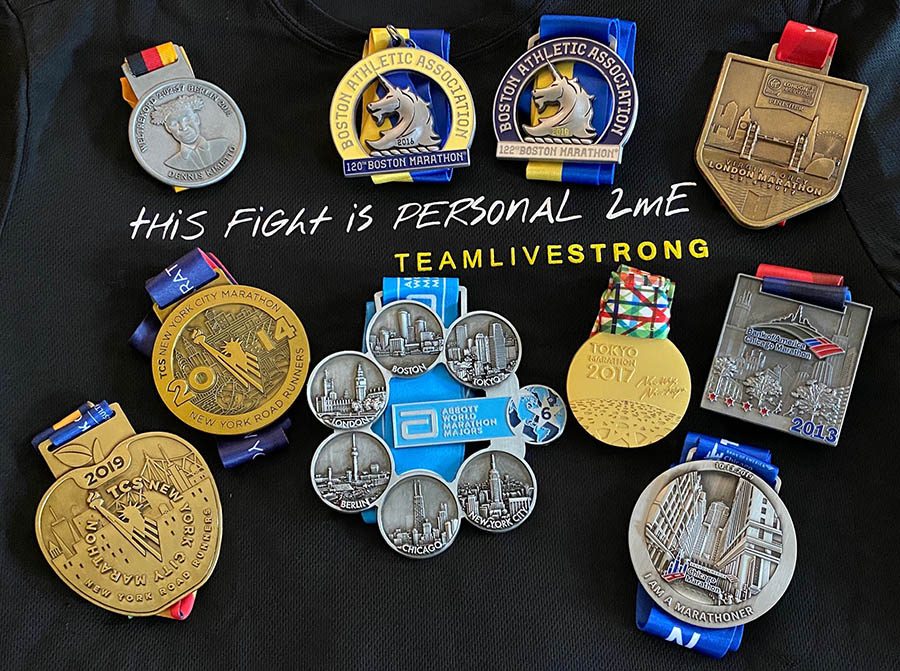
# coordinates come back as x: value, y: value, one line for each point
x: 712, y: 544
x: 184, y: 131
x: 418, y: 511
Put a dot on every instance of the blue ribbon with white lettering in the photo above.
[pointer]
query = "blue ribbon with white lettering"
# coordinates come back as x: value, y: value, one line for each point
x: 89, y: 416
x: 186, y: 275
x: 441, y: 294
x: 621, y: 35
x: 653, y: 620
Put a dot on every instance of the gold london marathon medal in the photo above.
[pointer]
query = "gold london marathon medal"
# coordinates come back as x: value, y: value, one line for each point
x: 628, y: 385
x: 227, y: 359
x: 133, y: 522
x: 778, y: 134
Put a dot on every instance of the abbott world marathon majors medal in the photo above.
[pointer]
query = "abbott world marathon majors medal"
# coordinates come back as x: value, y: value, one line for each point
x: 788, y: 352
x: 403, y: 113
x: 778, y: 134
x: 628, y: 385
x: 712, y: 544
x: 184, y: 131
x: 568, y: 104
x: 433, y: 377
x: 133, y: 522
x: 227, y: 359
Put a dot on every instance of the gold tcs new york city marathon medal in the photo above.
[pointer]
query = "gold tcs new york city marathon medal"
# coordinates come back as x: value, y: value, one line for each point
x: 628, y: 385
x: 133, y: 522
x: 230, y: 359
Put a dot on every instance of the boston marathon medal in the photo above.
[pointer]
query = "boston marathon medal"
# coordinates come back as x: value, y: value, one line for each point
x: 409, y: 137
x: 568, y: 134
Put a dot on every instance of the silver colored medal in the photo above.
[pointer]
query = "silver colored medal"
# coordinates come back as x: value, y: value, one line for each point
x: 786, y: 364
x: 497, y: 490
x: 482, y: 349
x: 406, y: 338
x: 419, y: 516
x: 184, y: 131
x: 712, y: 543
x: 351, y: 470
x: 347, y: 391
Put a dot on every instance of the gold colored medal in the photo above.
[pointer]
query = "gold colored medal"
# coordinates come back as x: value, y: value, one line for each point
x: 628, y: 392
x: 230, y: 359
x: 133, y: 523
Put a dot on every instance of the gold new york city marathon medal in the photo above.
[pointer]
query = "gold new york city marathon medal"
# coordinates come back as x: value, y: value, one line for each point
x: 628, y: 392
x: 133, y: 523
x: 230, y: 359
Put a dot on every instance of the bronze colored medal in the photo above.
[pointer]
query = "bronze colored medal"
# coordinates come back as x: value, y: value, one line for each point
x: 133, y: 523
x: 777, y: 137
x: 628, y: 392
x: 230, y: 359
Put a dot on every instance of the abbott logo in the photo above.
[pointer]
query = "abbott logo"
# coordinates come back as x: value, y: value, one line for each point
x: 418, y: 424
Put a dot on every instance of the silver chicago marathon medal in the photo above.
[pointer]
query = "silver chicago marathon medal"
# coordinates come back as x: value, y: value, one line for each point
x: 786, y: 364
x: 184, y: 131
x: 418, y: 511
x: 712, y: 544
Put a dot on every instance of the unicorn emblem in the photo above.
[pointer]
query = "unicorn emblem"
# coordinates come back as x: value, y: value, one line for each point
x: 572, y: 121
x: 413, y: 128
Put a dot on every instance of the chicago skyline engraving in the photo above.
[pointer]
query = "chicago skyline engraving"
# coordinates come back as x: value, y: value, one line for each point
x: 347, y: 391
x: 351, y: 470
x: 419, y: 516
x: 406, y: 338
x: 496, y: 490
x: 714, y: 537
x: 786, y: 364
x: 482, y: 349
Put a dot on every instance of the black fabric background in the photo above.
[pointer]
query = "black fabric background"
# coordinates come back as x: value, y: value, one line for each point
x: 300, y: 586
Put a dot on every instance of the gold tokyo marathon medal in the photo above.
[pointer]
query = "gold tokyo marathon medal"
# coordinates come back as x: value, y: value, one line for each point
x: 230, y: 359
x: 133, y: 523
x: 777, y: 137
x: 628, y: 392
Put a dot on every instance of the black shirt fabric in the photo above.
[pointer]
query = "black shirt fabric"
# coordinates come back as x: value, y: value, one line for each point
x: 300, y: 586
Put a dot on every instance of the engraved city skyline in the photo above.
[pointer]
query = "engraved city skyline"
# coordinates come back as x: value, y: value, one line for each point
x: 773, y: 387
x: 416, y: 516
x: 714, y: 537
x: 490, y: 494
x: 482, y: 349
x: 343, y: 394
x: 352, y: 471
x: 406, y: 332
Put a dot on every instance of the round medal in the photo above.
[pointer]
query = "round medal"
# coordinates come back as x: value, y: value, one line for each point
x: 230, y: 359
x: 135, y: 529
x: 482, y: 349
x: 419, y: 515
x: 537, y: 414
x: 351, y: 470
x: 497, y: 490
x: 628, y: 392
x: 406, y: 338
x: 712, y: 543
x: 187, y: 133
x: 347, y: 391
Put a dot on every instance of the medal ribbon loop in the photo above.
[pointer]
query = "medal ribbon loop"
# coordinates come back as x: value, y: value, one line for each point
x: 618, y: 34
x: 437, y: 42
x: 635, y: 303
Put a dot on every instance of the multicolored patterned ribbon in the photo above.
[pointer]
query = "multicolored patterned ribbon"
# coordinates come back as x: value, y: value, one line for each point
x: 635, y: 303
